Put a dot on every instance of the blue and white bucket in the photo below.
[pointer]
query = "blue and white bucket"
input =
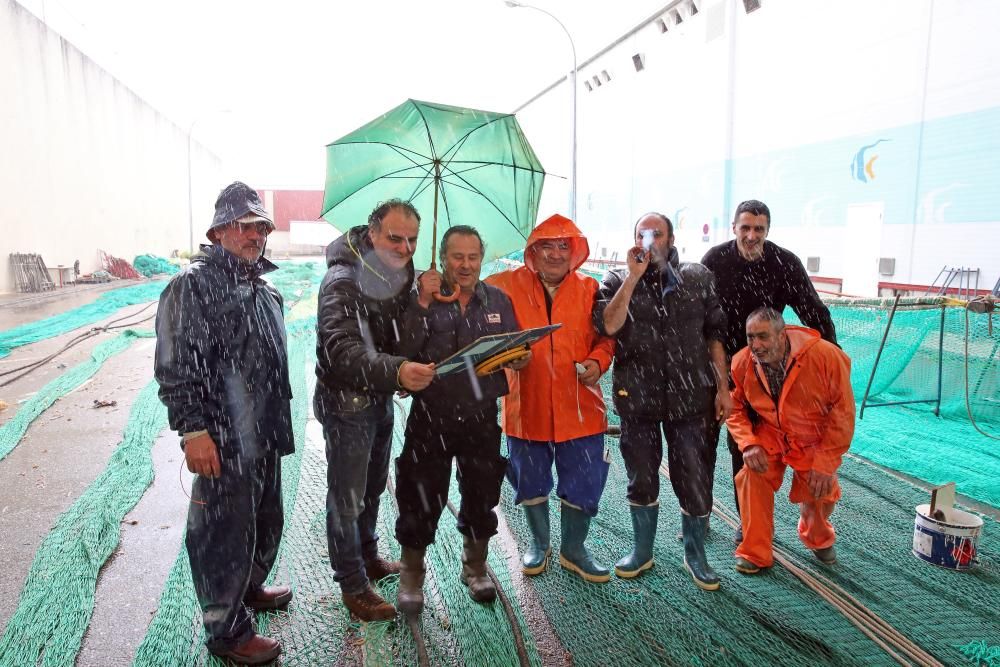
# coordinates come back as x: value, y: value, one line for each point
x: 951, y: 542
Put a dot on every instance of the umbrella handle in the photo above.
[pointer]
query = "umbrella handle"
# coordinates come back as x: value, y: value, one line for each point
x: 445, y: 298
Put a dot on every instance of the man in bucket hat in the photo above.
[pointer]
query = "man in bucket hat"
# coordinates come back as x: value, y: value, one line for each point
x: 222, y: 366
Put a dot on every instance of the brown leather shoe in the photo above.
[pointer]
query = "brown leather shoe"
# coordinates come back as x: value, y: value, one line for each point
x: 379, y: 568
x: 268, y: 597
x: 369, y: 606
x: 258, y: 650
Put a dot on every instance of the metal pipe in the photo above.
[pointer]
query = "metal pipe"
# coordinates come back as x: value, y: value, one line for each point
x: 880, y: 405
x: 881, y: 347
x: 937, y: 408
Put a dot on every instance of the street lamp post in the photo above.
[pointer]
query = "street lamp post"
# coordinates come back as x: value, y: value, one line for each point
x: 572, y: 83
x: 190, y: 200
x: 190, y: 189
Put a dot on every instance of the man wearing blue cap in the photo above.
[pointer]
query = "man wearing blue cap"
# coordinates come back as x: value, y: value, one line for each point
x: 222, y: 365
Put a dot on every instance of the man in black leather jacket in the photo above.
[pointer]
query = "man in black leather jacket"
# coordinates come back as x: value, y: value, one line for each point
x: 359, y: 322
x: 669, y: 374
x: 222, y: 366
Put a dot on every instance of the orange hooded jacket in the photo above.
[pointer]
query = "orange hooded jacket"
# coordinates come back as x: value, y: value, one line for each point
x: 546, y: 401
x: 812, y: 426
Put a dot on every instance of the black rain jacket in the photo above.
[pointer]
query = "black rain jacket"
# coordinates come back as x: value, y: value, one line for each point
x: 221, y: 355
x: 662, y: 367
x: 434, y: 334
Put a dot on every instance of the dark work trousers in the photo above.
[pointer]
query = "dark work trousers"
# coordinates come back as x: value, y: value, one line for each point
x: 735, y: 454
x: 232, y: 541
x: 423, y: 475
x: 691, y: 458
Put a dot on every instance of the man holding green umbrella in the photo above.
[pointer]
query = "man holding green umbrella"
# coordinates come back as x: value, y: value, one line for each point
x: 467, y: 166
x: 455, y: 418
x: 361, y: 303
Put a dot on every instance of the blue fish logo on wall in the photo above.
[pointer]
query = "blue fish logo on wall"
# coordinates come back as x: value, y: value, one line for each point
x: 861, y: 167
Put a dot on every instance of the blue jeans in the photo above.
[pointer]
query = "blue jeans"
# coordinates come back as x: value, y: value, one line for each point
x: 358, y: 446
x: 582, y: 464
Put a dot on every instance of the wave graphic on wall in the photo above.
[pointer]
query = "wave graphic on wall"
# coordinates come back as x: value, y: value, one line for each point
x: 862, y: 165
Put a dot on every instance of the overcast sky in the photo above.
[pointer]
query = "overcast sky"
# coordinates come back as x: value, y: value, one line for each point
x: 298, y: 74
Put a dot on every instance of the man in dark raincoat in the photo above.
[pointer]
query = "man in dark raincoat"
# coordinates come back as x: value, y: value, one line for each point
x: 222, y: 366
x: 670, y: 375
x: 453, y: 418
x: 752, y: 273
x: 360, y: 318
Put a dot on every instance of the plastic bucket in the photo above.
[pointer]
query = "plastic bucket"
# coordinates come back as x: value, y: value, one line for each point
x: 951, y: 542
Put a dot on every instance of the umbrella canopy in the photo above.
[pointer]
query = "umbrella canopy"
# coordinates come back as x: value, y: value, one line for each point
x: 472, y: 167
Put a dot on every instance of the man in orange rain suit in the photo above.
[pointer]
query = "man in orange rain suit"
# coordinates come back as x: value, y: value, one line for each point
x: 555, y: 411
x: 792, y: 406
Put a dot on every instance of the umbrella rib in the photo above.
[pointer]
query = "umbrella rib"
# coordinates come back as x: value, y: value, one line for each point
x: 472, y: 188
x: 392, y: 174
x: 427, y: 128
x: 457, y: 146
x: 399, y: 149
x: 426, y: 168
x: 486, y: 163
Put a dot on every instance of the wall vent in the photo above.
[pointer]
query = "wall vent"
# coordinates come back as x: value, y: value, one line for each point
x: 812, y: 264
x: 887, y: 266
x: 639, y: 62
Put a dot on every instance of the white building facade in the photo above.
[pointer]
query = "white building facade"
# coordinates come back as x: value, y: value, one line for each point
x: 870, y: 128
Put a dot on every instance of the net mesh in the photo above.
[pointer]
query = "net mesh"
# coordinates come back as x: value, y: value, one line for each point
x: 911, y: 438
x: 57, y: 600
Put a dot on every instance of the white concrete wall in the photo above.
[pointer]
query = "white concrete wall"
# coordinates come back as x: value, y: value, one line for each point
x: 777, y: 105
x: 86, y: 164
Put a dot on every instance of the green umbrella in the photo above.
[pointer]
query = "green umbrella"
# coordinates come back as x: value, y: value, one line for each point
x: 462, y: 166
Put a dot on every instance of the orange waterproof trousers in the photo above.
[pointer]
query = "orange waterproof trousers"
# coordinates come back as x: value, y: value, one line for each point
x: 756, y: 492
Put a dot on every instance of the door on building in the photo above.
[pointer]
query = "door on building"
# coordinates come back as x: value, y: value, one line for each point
x: 862, y: 247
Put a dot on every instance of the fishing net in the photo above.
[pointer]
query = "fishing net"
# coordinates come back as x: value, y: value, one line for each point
x: 316, y: 629
x: 660, y: 618
x: 933, y: 345
x: 926, y: 335
x: 151, y: 265
x: 175, y: 635
x: 57, y: 600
